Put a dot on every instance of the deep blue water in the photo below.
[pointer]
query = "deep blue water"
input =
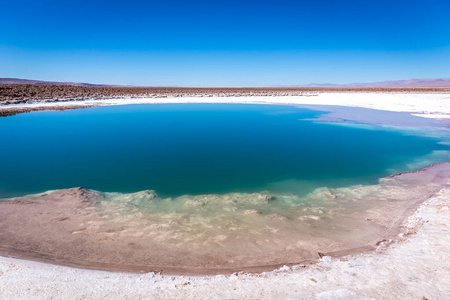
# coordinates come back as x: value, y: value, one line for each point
x: 179, y: 149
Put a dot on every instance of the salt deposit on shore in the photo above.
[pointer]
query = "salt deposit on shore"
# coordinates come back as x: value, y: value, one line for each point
x: 412, y: 266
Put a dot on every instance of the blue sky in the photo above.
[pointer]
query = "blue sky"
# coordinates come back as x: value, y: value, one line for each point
x: 224, y: 43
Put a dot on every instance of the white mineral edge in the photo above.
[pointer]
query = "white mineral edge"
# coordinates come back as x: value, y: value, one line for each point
x: 416, y: 267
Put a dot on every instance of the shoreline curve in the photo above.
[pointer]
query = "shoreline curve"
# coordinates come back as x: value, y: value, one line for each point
x: 409, y: 191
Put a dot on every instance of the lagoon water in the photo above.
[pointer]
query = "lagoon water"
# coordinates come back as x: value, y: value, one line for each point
x: 238, y: 187
x: 179, y: 149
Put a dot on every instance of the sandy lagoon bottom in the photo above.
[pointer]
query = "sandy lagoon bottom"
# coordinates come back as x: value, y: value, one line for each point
x: 84, y: 228
x: 211, y: 233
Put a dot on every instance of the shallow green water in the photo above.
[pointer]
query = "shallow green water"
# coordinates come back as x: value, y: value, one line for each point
x: 179, y: 149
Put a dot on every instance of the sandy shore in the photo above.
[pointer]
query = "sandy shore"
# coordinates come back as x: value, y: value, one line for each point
x: 409, y: 266
x: 114, y: 231
x: 413, y: 266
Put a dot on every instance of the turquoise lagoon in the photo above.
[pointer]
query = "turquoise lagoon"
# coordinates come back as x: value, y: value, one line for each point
x: 179, y: 149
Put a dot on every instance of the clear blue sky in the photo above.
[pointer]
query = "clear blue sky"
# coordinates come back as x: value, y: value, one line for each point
x: 224, y: 43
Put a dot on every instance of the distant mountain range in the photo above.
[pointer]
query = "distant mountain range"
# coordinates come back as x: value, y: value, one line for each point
x: 41, y: 82
x: 413, y: 83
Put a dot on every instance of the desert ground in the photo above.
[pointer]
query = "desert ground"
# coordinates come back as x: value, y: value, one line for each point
x: 413, y: 264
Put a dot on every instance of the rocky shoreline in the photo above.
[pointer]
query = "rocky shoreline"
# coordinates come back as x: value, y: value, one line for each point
x: 14, y: 111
